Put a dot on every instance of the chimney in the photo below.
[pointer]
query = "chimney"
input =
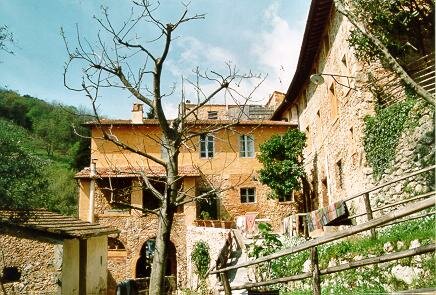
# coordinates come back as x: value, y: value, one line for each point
x: 137, y: 113
x: 275, y: 99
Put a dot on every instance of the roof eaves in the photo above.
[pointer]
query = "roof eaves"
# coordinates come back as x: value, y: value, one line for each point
x: 318, y: 16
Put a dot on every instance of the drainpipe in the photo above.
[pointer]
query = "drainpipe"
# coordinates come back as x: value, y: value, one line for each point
x: 92, y: 192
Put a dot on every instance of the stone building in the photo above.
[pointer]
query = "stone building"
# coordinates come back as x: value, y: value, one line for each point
x: 221, y: 159
x: 48, y: 253
x: 328, y: 101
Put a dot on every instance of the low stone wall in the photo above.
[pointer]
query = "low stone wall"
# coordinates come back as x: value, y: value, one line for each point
x: 215, y: 238
x: 40, y: 262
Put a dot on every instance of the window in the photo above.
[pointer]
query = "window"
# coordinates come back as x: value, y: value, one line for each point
x: 115, y: 244
x: 116, y: 189
x: 333, y: 101
x: 308, y: 138
x: 212, y: 115
x: 339, y: 174
x: 344, y: 61
x: 287, y: 198
x: 164, y: 151
x: 149, y: 200
x: 248, y: 195
x: 206, y: 146
x: 246, y: 146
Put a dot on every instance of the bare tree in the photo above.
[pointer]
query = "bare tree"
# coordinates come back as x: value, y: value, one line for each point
x: 114, y: 64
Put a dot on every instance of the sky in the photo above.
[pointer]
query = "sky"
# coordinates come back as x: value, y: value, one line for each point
x: 261, y: 36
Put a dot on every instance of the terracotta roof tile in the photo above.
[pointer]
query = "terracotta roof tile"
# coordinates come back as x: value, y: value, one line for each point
x: 196, y: 122
x: 157, y: 171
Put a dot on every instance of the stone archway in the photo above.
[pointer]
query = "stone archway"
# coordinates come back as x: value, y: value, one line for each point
x: 144, y: 262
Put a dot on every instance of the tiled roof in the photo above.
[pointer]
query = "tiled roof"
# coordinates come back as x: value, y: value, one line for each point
x: 53, y: 224
x: 157, y: 171
x: 195, y: 122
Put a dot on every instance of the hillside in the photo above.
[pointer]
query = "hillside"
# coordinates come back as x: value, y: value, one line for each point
x: 40, y: 153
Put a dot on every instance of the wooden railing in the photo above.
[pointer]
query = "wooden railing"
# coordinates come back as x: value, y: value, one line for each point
x: 371, y: 225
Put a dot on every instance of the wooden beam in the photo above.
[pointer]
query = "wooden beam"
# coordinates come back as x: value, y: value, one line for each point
x: 346, y: 266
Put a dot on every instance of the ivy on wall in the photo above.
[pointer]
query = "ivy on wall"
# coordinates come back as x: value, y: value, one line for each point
x: 382, y: 132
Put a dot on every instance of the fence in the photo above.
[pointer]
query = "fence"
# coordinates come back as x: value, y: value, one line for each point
x: 371, y: 225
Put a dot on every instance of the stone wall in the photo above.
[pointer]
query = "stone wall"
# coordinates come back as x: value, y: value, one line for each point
x: 135, y: 229
x: 39, y: 261
x: 332, y: 116
x: 407, y: 159
x: 215, y: 238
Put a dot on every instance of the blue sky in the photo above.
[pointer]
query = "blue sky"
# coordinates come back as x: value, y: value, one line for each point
x: 258, y: 35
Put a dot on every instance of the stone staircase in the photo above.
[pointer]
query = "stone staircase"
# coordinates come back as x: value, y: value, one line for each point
x: 238, y: 255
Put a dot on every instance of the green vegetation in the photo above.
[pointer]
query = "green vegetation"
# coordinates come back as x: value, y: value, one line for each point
x: 382, y: 132
x: 365, y: 280
x: 39, y: 153
x: 282, y: 158
x: 405, y: 27
x: 201, y: 258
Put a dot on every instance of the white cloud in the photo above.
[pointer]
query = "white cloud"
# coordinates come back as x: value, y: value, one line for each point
x: 277, y: 49
x: 197, y: 53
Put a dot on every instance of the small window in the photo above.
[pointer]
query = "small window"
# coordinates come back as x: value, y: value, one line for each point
x: 207, y: 146
x: 164, y: 151
x: 246, y: 146
x: 287, y: 198
x: 339, y: 174
x: 333, y: 101
x: 308, y: 138
x: 344, y: 60
x: 248, y: 195
x: 212, y: 115
x: 115, y: 244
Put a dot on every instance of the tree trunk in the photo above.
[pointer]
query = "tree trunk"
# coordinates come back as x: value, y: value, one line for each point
x: 166, y: 216
x: 160, y: 254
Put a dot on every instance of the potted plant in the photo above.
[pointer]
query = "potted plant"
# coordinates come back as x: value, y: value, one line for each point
x: 199, y: 222
x: 206, y: 218
x: 227, y: 221
x: 216, y: 223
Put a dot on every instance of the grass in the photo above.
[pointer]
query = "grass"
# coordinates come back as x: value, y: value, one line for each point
x: 373, y: 279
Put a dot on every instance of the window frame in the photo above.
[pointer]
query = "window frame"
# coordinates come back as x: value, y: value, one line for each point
x: 244, y: 195
x: 244, y: 144
x: 206, y: 139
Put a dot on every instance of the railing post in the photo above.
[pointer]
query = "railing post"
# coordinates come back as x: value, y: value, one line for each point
x: 316, y: 279
x: 225, y: 281
x: 369, y: 213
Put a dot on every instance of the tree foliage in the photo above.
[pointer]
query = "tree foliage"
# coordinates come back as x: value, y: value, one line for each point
x: 53, y: 123
x: 406, y: 27
x: 31, y: 179
x: 282, y: 159
x: 22, y: 182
